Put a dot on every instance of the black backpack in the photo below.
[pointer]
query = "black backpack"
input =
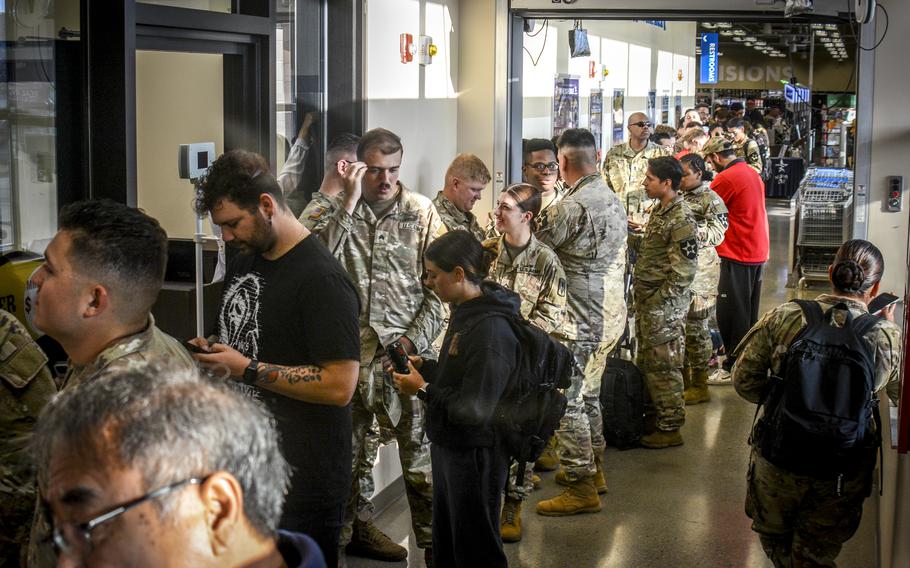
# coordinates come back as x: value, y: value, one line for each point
x: 532, y: 405
x: 764, y: 150
x: 821, y: 415
x: 622, y: 399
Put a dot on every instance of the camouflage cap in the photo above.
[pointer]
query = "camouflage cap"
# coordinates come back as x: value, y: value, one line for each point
x: 717, y: 144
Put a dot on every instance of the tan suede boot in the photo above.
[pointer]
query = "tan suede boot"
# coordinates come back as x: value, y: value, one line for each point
x: 662, y: 439
x: 698, y: 392
x: 510, y: 520
x: 370, y: 542
x: 549, y: 459
x: 600, y: 483
x: 579, y: 497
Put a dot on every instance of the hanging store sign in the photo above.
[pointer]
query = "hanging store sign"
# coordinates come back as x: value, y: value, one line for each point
x: 708, y: 68
x: 596, y: 116
x: 796, y: 94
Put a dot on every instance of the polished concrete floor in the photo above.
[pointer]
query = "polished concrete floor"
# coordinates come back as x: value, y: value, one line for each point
x: 677, y: 507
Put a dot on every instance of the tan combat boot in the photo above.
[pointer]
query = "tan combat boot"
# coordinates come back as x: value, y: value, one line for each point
x: 698, y: 392
x: 510, y: 520
x: 579, y: 497
x: 600, y: 482
x: 370, y: 542
x: 549, y: 459
x: 662, y: 439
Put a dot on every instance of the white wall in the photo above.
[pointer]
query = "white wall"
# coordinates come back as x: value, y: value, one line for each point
x: 418, y: 103
x: 638, y: 57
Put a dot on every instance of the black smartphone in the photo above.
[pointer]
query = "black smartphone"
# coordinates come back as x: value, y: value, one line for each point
x: 193, y: 348
x: 399, y: 357
x: 881, y: 302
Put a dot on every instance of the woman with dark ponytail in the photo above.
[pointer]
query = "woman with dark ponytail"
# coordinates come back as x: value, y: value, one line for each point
x: 461, y: 391
x: 533, y: 271
x: 803, y: 520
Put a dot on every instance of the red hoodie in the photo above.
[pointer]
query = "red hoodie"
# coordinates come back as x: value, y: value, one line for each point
x: 743, y: 192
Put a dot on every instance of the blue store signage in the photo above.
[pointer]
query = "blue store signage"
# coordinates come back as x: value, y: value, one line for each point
x: 708, y: 59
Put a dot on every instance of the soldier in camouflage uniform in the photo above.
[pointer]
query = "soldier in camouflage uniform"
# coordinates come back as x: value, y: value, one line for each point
x: 380, y: 239
x: 532, y: 270
x: 666, y: 266
x: 465, y: 180
x: 26, y: 386
x: 102, y: 273
x: 802, y: 520
x: 711, y: 220
x: 587, y: 230
x: 625, y: 164
x: 746, y: 148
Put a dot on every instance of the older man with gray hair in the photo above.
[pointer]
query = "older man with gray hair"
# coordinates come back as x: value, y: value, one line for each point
x: 155, y: 467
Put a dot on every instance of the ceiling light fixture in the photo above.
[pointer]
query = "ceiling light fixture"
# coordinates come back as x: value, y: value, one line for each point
x: 736, y: 38
x: 726, y: 33
x: 739, y: 32
x: 748, y: 43
x: 831, y: 27
x: 708, y: 25
x: 724, y: 25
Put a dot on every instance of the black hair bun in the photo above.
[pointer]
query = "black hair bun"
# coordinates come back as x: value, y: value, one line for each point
x: 848, y: 276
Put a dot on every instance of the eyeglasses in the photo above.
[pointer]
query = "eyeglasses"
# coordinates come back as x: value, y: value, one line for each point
x: 75, y: 540
x: 542, y: 167
x: 641, y: 124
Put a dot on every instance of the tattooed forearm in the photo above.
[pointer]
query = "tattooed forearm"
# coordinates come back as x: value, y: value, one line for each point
x: 269, y: 374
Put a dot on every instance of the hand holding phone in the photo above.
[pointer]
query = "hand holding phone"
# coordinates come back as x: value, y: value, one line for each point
x: 881, y: 302
x: 399, y: 357
x: 193, y: 348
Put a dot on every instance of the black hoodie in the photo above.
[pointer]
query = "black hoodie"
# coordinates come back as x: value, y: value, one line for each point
x: 475, y: 363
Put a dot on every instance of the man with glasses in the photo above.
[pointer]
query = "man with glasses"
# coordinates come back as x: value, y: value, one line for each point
x: 159, y: 467
x: 466, y: 178
x: 541, y: 170
x: 380, y: 230
x: 625, y: 164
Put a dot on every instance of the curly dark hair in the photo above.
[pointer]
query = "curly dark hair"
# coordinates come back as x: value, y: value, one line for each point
x: 121, y: 247
x: 240, y: 177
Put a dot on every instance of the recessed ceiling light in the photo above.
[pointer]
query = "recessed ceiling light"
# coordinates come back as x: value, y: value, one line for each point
x: 726, y: 33
x: 708, y: 26
x: 750, y: 38
x: 737, y: 38
x: 817, y: 26
x: 821, y: 33
x: 831, y: 27
x: 825, y: 39
x: 724, y: 25
x: 761, y: 43
x: 748, y: 43
x: 739, y: 32
x: 835, y: 34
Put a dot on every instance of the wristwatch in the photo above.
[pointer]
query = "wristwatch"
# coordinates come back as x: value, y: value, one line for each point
x: 251, y: 373
x: 422, y: 392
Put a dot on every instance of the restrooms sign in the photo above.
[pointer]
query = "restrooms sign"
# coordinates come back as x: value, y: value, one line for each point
x: 708, y: 68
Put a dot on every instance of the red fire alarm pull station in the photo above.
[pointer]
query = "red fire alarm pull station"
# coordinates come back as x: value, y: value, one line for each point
x: 406, y: 46
x: 592, y: 72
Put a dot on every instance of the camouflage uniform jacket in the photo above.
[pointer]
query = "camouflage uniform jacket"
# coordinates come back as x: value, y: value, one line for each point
x: 26, y: 385
x: 320, y: 200
x: 711, y: 223
x: 536, y: 276
x: 148, y: 346
x: 384, y: 258
x: 765, y: 345
x: 587, y: 230
x: 455, y: 219
x: 624, y: 170
x: 749, y: 151
x: 667, y: 256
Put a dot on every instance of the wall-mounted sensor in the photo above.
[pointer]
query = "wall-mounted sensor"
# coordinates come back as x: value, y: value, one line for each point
x: 193, y: 160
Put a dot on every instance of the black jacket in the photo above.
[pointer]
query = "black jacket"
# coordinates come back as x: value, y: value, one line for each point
x: 475, y: 363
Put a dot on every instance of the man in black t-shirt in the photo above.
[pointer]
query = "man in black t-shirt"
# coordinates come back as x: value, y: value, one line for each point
x: 288, y: 330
